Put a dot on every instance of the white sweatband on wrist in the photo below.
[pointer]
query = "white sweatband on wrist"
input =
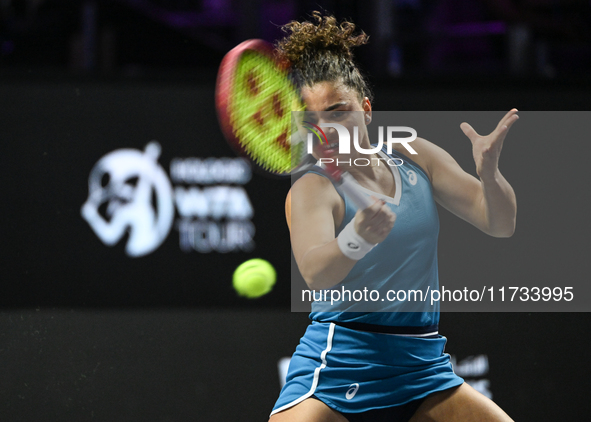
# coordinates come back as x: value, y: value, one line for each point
x: 351, y: 244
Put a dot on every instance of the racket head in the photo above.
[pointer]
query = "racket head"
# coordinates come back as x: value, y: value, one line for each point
x: 254, y: 99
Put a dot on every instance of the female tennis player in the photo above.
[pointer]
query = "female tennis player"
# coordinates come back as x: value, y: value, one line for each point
x: 378, y: 366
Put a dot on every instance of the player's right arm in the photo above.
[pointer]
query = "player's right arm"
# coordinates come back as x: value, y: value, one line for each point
x: 314, y: 209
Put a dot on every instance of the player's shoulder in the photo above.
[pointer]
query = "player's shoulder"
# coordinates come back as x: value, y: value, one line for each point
x: 312, y: 182
x: 313, y: 187
x: 427, y: 154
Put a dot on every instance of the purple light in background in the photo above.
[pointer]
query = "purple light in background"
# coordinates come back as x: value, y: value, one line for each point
x: 275, y: 14
x: 216, y: 5
x: 476, y: 29
x: 215, y: 13
x: 6, y: 48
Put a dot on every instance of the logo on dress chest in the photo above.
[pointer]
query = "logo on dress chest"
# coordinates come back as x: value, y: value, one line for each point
x: 412, y: 177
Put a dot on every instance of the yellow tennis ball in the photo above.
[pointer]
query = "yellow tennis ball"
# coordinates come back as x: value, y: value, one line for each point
x: 254, y: 278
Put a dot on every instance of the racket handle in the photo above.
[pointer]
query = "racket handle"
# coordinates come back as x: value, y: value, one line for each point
x: 351, y: 189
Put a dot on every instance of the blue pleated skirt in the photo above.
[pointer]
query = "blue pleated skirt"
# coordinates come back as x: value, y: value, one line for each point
x: 355, y: 371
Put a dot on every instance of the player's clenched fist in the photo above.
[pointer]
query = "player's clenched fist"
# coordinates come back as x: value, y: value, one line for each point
x: 375, y: 222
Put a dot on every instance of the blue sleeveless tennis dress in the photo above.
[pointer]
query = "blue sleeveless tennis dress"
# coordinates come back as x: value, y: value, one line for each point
x: 355, y: 359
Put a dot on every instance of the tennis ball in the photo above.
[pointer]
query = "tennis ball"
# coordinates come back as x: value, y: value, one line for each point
x: 254, y: 278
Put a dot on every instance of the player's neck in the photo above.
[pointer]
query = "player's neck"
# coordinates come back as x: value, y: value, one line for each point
x: 373, y: 170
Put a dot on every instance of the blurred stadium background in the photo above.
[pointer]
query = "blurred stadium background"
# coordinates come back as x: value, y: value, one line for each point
x: 96, y: 332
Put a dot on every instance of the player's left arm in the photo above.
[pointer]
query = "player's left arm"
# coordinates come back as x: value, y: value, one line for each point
x: 488, y: 203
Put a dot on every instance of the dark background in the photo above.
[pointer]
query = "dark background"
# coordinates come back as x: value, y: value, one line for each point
x: 87, y: 333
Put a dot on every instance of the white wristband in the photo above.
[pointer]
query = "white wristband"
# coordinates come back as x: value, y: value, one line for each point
x: 351, y: 244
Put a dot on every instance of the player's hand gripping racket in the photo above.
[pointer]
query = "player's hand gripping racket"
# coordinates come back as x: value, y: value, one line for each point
x: 254, y: 99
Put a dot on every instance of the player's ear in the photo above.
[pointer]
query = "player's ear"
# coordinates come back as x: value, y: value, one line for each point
x: 367, y: 110
x: 288, y: 209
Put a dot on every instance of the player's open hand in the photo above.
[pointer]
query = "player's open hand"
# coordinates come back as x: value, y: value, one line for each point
x: 375, y: 222
x: 487, y: 149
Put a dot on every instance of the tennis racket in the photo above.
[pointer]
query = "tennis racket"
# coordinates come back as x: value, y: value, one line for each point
x: 254, y: 100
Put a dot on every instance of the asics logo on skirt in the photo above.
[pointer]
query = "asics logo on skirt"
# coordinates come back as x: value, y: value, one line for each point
x: 352, y: 391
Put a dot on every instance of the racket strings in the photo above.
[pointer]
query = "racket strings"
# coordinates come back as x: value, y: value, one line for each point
x: 260, y: 112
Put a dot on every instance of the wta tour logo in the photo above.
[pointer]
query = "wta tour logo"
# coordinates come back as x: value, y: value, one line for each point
x: 129, y: 192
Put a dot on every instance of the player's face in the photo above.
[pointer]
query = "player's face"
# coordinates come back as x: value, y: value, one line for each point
x: 333, y: 102
x: 326, y: 96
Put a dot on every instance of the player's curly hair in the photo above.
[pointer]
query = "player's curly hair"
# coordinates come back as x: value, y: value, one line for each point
x: 320, y: 51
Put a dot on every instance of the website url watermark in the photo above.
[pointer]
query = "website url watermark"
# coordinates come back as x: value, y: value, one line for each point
x: 502, y: 294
